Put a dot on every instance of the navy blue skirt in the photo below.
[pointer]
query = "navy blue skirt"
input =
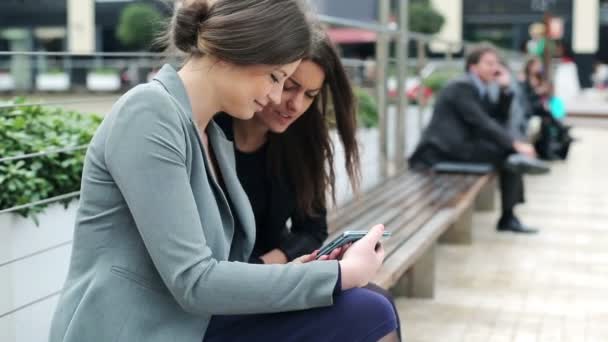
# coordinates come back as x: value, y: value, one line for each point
x: 357, y: 315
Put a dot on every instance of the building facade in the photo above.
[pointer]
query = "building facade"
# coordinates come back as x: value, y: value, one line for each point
x: 62, y: 25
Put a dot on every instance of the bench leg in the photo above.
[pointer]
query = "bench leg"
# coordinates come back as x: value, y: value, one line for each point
x: 486, y: 199
x: 460, y: 232
x: 419, y: 280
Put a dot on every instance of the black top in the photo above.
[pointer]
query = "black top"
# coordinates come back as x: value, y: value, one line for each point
x: 273, y: 201
x: 535, y: 101
x: 251, y: 172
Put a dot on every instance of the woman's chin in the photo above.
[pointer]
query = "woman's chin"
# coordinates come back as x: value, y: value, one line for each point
x: 243, y: 115
x: 278, y: 129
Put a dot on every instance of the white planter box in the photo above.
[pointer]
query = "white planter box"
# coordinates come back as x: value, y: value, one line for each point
x: 7, y: 83
x: 33, y: 265
x: 103, y: 82
x: 53, y: 82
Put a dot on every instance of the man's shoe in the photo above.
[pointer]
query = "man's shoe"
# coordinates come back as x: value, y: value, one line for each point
x: 513, y: 225
x: 520, y: 163
x: 549, y: 157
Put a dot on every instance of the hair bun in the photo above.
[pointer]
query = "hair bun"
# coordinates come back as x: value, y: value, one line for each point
x: 187, y: 23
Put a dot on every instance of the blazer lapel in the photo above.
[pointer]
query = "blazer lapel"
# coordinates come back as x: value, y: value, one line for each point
x: 224, y: 154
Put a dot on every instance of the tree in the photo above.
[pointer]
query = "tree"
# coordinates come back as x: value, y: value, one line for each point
x: 423, y: 18
x: 138, y: 25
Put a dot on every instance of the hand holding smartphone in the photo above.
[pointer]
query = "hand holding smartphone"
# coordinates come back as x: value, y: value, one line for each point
x: 344, y: 239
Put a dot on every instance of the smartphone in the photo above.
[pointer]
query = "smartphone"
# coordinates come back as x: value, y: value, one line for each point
x: 344, y: 239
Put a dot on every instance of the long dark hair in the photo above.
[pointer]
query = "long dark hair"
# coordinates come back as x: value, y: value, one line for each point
x: 528, y: 68
x: 304, y: 153
x: 243, y: 32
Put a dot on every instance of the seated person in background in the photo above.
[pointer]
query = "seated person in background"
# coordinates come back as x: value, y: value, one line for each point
x: 519, y: 113
x: 554, y: 138
x: 467, y: 127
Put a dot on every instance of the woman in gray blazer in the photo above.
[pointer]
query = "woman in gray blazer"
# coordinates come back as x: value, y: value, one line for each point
x: 164, y: 228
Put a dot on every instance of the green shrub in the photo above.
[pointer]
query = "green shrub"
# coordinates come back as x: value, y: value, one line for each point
x: 33, y: 129
x: 105, y: 71
x: 367, y: 109
x: 139, y: 24
x: 423, y: 18
x: 55, y: 71
x: 438, y: 79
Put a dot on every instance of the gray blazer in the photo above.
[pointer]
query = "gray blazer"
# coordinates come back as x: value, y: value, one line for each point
x: 158, y: 246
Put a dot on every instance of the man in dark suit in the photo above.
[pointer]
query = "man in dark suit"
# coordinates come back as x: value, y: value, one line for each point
x: 468, y: 127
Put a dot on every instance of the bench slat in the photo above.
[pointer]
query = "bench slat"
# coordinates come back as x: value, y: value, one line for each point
x: 408, y: 224
x: 412, y: 220
x: 383, y: 211
x: 376, y: 190
x: 394, y: 267
x: 387, y: 212
x: 359, y: 206
x: 416, y: 207
x: 402, y: 253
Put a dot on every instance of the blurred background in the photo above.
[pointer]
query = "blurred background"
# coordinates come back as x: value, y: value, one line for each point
x: 63, y: 63
x: 101, y: 31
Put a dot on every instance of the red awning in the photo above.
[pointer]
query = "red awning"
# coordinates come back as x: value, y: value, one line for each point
x: 351, y: 36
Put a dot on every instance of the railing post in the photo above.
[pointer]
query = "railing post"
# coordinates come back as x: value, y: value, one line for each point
x: 402, y: 104
x: 448, y: 53
x: 381, y: 67
x: 68, y: 67
x: 420, y: 64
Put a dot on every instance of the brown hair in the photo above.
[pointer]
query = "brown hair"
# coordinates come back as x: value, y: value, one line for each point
x: 243, y: 32
x: 305, y: 151
x: 528, y: 66
x: 477, y: 52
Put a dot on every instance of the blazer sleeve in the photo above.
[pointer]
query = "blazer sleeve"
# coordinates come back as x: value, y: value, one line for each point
x: 466, y: 102
x: 307, y: 234
x: 145, y: 152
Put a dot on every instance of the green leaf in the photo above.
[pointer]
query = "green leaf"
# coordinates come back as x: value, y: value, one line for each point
x: 33, y: 129
x: 367, y: 112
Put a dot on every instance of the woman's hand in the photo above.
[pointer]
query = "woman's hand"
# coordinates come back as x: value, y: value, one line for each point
x: 334, y: 255
x: 306, y: 258
x: 524, y: 148
x: 363, y: 259
x: 275, y: 256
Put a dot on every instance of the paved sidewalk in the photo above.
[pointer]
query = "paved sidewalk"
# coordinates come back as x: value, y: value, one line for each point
x: 549, y: 287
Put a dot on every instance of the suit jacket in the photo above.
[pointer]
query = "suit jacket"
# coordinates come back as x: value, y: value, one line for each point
x: 461, y: 119
x: 159, y: 246
x: 306, y: 233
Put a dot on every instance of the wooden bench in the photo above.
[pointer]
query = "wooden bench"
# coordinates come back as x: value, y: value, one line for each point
x: 419, y: 209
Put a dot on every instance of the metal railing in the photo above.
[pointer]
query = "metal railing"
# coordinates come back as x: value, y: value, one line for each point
x: 65, y: 71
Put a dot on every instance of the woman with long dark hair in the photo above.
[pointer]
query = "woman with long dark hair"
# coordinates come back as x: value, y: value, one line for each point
x: 554, y: 137
x: 285, y: 156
